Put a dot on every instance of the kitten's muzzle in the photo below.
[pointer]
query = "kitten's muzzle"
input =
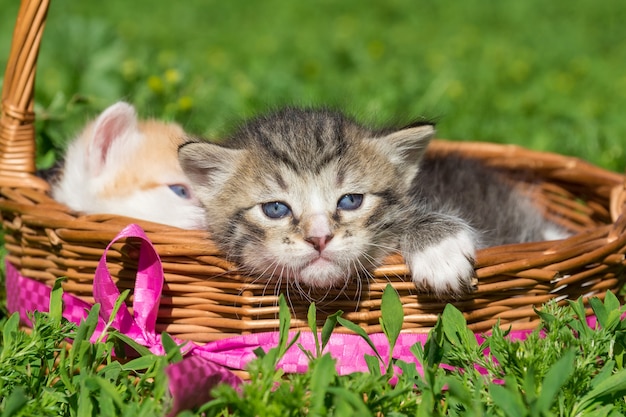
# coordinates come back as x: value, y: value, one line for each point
x: 317, y: 231
x: 319, y: 242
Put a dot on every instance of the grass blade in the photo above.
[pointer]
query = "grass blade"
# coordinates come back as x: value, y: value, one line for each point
x: 613, y: 386
x: 14, y: 402
x: 329, y: 326
x: 555, y: 378
x: 56, y: 301
x: 507, y: 400
x: 392, y: 316
x: 358, y: 330
x: 323, y: 373
x: 312, y: 321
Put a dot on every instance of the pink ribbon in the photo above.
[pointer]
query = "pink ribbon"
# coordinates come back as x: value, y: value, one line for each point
x: 140, y: 326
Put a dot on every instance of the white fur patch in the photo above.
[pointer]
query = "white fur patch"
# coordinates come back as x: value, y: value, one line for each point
x: 553, y: 232
x: 444, y: 268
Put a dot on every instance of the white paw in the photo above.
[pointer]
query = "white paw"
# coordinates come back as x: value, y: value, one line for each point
x: 445, y: 268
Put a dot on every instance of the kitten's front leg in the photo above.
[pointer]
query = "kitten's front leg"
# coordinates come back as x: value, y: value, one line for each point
x: 439, y: 250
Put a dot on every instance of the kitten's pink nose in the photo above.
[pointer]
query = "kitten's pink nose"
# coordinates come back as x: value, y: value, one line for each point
x: 319, y: 242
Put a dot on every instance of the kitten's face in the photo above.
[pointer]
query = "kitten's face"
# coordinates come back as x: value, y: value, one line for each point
x: 149, y: 182
x: 306, y: 196
x: 121, y: 165
x: 317, y: 228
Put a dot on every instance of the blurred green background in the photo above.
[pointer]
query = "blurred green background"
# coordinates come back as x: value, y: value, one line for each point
x: 549, y: 75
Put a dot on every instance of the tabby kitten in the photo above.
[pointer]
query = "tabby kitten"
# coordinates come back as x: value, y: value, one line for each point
x: 312, y: 197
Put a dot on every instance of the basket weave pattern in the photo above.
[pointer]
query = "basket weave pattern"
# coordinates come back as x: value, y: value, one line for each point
x: 205, y: 299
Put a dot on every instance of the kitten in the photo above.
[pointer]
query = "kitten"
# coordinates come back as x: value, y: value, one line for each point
x: 312, y: 197
x: 120, y: 165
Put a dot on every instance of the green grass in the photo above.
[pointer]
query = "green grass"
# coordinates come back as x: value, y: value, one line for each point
x: 41, y: 375
x: 546, y: 75
x: 564, y: 368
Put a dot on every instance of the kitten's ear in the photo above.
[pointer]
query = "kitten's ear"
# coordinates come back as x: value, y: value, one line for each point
x: 207, y: 165
x: 406, y: 147
x: 117, y: 123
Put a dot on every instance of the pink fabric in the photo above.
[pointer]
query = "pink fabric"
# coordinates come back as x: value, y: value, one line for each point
x: 25, y: 295
x: 204, y: 365
x: 148, y: 286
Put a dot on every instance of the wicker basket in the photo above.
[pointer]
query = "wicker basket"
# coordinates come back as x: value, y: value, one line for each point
x: 205, y: 299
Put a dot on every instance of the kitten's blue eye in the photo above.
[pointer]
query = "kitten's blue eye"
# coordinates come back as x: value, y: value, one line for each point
x: 276, y: 210
x: 180, y: 190
x: 350, y: 202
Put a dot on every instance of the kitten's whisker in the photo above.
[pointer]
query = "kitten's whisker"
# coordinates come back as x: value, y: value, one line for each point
x: 368, y: 277
x: 287, y: 286
x: 273, y: 275
x: 387, y: 248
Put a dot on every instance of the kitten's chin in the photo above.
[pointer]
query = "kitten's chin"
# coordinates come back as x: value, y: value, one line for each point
x: 322, y: 273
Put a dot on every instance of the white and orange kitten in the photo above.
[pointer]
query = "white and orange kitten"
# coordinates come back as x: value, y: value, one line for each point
x: 315, y: 199
x: 121, y: 165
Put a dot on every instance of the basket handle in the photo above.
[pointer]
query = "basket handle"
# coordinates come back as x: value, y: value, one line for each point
x: 17, y: 117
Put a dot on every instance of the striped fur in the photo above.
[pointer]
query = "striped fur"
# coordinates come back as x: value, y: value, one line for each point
x: 313, y: 162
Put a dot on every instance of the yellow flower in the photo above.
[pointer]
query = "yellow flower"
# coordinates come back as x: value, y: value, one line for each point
x: 172, y: 76
x: 185, y: 103
x: 155, y: 83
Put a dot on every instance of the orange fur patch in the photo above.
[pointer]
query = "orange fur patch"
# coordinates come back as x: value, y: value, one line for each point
x: 155, y: 162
